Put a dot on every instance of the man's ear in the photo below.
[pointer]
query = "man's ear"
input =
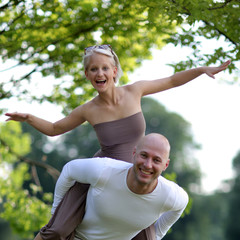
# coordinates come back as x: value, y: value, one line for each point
x: 167, y: 164
x: 134, y: 150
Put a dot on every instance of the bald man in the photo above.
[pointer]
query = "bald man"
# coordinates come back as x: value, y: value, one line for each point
x: 125, y: 198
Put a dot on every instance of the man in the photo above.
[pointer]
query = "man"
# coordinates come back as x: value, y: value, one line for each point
x: 125, y: 198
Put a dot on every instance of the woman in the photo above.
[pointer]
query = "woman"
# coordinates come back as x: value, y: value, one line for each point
x: 116, y: 115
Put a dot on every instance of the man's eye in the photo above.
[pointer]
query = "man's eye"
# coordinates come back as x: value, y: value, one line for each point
x: 143, y: 155
x: 105, y: 68
x: 93, y: 69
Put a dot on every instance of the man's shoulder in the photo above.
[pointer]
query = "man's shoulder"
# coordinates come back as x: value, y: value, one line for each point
x: 103, y: 162
x: 168, y: 184
x: 97, y: 164
x: 114, y: 163
x: 173, y: 190
x: 164, y: 181
x: 110, y: 169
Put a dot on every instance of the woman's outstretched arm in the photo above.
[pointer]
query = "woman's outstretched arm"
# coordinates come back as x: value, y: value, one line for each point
x: 178, y: 79
x: 74, y: 119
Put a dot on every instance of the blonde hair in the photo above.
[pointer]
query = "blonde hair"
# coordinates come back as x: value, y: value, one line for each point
x: 108, y: 52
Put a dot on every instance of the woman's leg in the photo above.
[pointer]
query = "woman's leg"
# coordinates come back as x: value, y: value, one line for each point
x: 38, y: 237
x: 67, y: 215
x: 146, y: 234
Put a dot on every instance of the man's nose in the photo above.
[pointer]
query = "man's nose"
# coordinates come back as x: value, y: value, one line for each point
x: 148, y: 163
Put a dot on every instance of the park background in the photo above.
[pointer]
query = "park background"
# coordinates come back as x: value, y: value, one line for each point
x: 204, y: 114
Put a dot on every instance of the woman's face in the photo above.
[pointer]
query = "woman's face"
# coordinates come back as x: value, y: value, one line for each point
x: 101, y: 71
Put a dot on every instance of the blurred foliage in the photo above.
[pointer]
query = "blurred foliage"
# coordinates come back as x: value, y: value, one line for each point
x: 232, y: 224
x: 24, y: 212
x: 206, y: 220
x: 50, y: 36
x: 47, y: 38
x: 208, y: 20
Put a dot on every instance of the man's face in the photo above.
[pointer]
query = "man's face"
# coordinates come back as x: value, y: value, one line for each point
x: 150, y: 160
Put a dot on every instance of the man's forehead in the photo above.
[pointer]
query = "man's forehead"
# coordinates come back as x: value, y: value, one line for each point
x: 154, y: 149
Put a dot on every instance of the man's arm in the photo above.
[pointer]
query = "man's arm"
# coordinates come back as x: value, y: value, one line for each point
x: 86, y: 170
x: 167, y: 219
x: 82, y: 170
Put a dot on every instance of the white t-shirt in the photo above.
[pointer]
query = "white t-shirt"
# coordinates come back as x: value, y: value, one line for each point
x: 113, y: 211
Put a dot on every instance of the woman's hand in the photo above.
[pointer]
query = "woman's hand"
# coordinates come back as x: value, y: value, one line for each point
x: 211, y: 71
x: 19, y: 117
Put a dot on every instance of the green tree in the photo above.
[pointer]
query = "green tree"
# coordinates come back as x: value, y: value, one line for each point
x: 232, y: 223
x: 208, y: 20
x: 24, y: 212
x: 49, y: 156
x: 206, y: 220
x: 47, y: 162
x: 48, y: 37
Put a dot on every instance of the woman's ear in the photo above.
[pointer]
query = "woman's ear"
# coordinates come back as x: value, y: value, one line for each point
x: 115, y: 71
x: 86, y: 73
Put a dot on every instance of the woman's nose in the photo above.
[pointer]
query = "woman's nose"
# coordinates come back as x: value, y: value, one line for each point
x: 100, y: 72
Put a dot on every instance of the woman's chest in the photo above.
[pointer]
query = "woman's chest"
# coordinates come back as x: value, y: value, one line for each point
x: 115, y: 110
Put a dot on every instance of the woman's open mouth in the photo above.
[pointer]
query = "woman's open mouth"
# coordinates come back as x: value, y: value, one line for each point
x: 100, y: 81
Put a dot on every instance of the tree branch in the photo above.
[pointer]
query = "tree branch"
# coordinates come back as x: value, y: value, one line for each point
x: 53, y: 42
x: 12, y: 21
x: 35, y: 175
x: 51, y: 170
x: 221, y: 33
x: 220, y: 5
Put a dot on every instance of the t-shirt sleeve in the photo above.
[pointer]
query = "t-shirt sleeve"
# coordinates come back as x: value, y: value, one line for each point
x: 87, y: 170
x: 179, y: 200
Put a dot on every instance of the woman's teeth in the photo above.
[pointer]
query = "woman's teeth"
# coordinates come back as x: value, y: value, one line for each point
x: 101, y: 81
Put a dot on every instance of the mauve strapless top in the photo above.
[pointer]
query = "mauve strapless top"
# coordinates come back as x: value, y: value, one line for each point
x: 119, y: 137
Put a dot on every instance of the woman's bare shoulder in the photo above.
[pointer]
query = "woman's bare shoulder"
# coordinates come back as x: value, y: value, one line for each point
x: 135, y: 88
x: 84, y: 109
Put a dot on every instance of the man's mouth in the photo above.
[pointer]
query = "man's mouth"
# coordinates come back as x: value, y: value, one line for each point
x: 145, y: 172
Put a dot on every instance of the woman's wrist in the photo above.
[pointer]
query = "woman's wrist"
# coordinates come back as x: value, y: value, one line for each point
x: 29, y: 118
